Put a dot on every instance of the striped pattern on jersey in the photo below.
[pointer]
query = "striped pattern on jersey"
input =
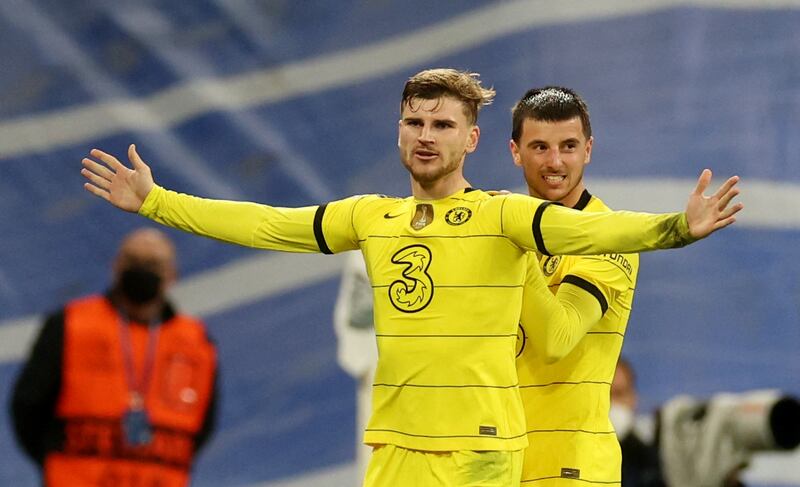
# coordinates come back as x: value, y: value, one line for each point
x: 571, y: 440
x: 447, y: 294
x: 446, y: 378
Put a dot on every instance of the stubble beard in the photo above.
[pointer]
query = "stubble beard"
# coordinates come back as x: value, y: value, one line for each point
x: 430, y: 177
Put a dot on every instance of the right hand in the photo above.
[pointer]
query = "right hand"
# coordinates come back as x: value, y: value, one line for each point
x: 707, y: 214
x: 114, y: 182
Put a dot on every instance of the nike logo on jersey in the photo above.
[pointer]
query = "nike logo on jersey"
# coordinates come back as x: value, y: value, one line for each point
x: 388, y: 216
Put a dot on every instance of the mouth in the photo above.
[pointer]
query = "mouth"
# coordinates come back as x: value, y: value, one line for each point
x: 425, y: 154
x: 553, y: 179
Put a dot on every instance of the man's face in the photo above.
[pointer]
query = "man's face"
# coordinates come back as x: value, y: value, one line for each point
x: 147, y: 250
x: 552, y: 156
x: 434, y: 137
x: 623, y: 390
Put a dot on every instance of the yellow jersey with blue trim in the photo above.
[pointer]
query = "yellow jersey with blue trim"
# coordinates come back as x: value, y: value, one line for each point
x: 447, y: 278
x: 571, y: 440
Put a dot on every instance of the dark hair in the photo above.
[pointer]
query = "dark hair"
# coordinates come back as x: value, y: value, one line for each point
x: 461, y: 85
x: 549, y: 104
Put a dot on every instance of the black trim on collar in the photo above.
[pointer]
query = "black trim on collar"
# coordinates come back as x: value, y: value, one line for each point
x: 583, y: 200
x: 469, y: 190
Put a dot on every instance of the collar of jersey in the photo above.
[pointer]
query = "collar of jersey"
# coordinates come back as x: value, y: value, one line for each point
x: 460, y: 192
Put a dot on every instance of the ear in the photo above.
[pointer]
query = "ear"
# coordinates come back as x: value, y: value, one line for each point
x: 589, y: 144
x: 514, y: 149
x: 472, y: 140
x: 399, y: 126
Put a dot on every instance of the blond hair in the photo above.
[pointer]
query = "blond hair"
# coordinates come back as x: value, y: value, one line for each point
x: 461, y: 85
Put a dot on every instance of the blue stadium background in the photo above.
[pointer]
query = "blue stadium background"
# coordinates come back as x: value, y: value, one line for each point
x: 295, y: 103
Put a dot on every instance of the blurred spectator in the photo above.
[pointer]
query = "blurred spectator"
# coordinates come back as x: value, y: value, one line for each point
x: 699, y: 442
x: 640, y: 464
x: 119, y: 389
x: 357, y: 351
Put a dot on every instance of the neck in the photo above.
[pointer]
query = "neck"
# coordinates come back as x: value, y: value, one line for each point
x: 141, y: 313
x: 569, y: 200
x: 439, y: 189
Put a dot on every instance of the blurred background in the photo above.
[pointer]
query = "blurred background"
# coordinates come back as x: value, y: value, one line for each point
x: 296, y: 103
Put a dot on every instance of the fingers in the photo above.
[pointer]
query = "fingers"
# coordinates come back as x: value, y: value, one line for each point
x: 727, y: 186
x: 97, y: 191
x: 133, y: 156
x: 702, y: 182
x: 99, y: 169
x: 96, y: 180
x: 726, y: 198
x: 724, y: 223
x: 110, y: 160
x: 730, y: 211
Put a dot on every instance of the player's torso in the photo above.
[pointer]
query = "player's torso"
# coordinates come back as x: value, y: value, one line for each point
x: 566, y: 402
x: 438, y: 271
x: 594, y: 357
x: 429, y: 260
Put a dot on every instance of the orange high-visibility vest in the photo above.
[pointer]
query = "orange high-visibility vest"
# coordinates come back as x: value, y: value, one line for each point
x: 95, y: 395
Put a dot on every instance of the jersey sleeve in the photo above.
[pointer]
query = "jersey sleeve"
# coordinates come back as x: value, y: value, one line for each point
x: 604, y: 276
x: 552, y: 229
x: 556, y: 323
x: 306, y: 229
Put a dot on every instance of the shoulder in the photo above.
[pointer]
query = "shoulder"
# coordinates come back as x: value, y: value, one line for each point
x: 597, y: 205
x: 368, y: 201
x: 190, y: 327
x: 511, y: 199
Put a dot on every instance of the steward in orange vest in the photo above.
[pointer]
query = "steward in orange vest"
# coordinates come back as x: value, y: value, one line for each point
x: 109, y: 398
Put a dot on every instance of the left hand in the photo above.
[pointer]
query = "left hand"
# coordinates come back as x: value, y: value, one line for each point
x: 707, y: 214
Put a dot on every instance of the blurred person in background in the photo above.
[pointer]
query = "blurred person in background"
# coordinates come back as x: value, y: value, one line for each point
x: 446, y: 265
x: 119, y: 388
x: 575, y: 308
x: 356, y: 350
x: 640, y: 462
x: 699, y: 442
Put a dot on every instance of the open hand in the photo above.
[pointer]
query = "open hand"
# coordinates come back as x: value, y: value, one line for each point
x: 707, y: 214
x: 114, y: 182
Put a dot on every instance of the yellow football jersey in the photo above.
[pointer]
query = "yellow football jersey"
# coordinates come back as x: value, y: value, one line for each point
x: 447, y: 277
x: 571, y: 440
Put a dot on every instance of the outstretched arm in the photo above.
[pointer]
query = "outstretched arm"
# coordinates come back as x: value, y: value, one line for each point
x: 557, y: 230
x: 308, y: 229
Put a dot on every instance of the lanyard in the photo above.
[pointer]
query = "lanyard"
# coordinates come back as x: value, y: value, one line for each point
x: 138, y: 386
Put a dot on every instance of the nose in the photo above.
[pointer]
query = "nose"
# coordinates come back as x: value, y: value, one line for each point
x: 554, y: 158
x: 425, y: 134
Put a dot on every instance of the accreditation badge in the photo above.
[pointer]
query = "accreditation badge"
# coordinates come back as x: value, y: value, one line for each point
x: 136, y: 424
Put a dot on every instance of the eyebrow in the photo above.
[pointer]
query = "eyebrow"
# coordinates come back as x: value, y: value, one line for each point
x: 565, y: 141
x: 449, y: 121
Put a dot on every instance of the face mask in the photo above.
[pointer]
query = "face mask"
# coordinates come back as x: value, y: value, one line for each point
x: 622, y: 417
x: 139, y: 285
